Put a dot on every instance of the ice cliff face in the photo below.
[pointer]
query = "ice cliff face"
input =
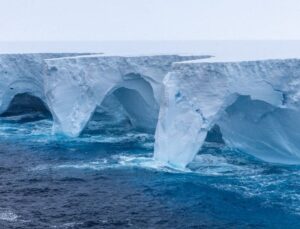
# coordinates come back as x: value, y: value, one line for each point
x: 22, y: 73
x: 76, y: 86
x: 255, y: 103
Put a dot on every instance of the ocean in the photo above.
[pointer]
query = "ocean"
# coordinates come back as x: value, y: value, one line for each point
x: 106, y: 178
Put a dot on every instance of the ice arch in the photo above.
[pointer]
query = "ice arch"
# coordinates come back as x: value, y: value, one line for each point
x: 21, y: 87
x: 136, y: 102
x: 197, y: 95
x: 76, y: 86
x: 22, y: 73
x: 27, y: 104
x: 108, y: 117
x: 268, y: 132
x: 137, y: 98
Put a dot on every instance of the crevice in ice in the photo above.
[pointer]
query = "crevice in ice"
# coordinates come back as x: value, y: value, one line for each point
x: 283, y: 94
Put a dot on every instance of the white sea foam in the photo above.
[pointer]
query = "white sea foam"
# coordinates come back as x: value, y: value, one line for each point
x: 8, y: 215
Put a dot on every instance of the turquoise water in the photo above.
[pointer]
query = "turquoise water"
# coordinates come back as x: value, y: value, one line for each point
x: 106, y: 178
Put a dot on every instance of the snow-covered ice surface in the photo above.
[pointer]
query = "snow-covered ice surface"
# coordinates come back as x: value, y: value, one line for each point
x: 234, y: 50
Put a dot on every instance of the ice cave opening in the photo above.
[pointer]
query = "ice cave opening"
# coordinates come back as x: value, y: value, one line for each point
x: 259, y: 129
x: 130, y: 105
x: 214, y: 135
x: 27, y: 106
x: 109, y: 117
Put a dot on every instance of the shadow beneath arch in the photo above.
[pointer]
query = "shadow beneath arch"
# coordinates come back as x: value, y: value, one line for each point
x: 26, y: 108
x: 129, y: 106
x: 109, y: 118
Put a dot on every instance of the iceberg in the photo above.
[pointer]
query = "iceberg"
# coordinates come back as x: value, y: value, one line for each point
x: 186, y: 100
x: 255, y: 104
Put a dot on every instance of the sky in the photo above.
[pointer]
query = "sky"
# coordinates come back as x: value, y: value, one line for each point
x: 106, y: 20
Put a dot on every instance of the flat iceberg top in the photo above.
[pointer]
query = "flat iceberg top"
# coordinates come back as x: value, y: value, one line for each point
x: 130, y: 56
x: 41, y: 55
x: 237, y: 49
x: 217, y: 59
x: 195, y: 66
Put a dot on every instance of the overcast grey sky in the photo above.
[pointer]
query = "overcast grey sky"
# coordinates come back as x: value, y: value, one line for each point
x: 98, y: 20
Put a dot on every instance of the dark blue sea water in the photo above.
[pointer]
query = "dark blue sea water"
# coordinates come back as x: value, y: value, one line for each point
x: 106, y: 178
